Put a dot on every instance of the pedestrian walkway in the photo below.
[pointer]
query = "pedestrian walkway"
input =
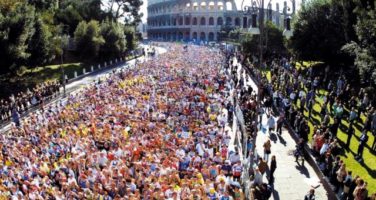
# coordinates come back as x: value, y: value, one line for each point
x: 292, y: 181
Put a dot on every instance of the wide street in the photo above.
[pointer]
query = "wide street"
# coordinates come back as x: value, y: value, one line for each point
x: 218, y: 100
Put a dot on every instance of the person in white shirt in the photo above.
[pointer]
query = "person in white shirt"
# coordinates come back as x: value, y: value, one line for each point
x: 200, y: 149
x: 324, y: 148
x: 271, y: 123
x: 258, y: 177
x: 234, y: 158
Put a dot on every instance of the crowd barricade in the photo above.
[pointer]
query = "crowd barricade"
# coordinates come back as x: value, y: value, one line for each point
x: 240, y: 143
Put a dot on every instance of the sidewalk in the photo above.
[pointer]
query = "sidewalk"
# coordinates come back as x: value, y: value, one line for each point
x: 292, y: 181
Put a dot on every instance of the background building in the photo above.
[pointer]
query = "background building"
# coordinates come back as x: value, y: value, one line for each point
x: 142, y: 28
x: 199, y: 20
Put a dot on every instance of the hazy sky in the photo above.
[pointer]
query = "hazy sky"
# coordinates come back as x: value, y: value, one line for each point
x: 238, y: 4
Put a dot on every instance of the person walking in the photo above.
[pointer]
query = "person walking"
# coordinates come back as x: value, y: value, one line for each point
x: 360, y: 192
x: 346, y: 186
x: 273, y: 167
x: 262, y: 166
x: 299, y: 152
x: 271, y: 123
x: 280, y: 122
x: 353, y: 116
x: 310, y: 195
x: 363, y: 141
x: 267, y: 150
x: 350, y: 133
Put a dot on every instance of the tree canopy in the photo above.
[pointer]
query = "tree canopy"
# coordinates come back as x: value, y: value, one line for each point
x: 364, y: 48
x: 31, y: 31
x: 339, y: 33
x: 273, y: 41
x: 319, y: 32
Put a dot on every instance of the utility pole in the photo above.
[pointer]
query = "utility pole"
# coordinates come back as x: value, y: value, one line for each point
x: 261, y: 26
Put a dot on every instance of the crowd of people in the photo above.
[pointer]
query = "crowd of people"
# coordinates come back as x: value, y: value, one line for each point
x: 23, y: 101
x: 295, y: 92
x: 157, y: 131
x: 259, y: 167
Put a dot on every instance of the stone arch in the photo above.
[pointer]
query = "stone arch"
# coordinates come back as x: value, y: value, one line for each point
x: 202, y: 36
x: 180, y: 36
x: 194, y: 35
x: 168, y: 36
x: 220, y: 5
x: 228, y: 21
x: 203, y: 5
x: 220, y: 21
x: 229, y: 6
x: 186, y: 35
x: 211, y: 5
x: 211, y: 21
x: 237, y: 21
x: 187, y: 20
x: 181, y: 21
x: 194, y: 21
x: 202, y: 21
x: 195, y: 6
x: 211, y: 36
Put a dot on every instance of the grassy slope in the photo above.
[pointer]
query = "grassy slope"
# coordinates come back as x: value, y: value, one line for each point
x: 30, y: 78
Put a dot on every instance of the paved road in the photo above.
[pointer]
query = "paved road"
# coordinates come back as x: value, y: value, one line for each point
x: 292, y: 181
x: 76, y: 86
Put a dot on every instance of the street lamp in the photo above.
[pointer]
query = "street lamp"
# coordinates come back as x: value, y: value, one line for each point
x: 288, y: 32
x: 253, y: 29
x: 257, y: 8
x: 252, y: 10
x: 64, y: 39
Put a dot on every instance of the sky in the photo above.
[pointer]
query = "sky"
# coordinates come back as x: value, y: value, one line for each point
x: 238, y: 4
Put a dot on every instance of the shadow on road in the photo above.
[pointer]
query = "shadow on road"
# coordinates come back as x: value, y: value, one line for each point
x: 303, y: 170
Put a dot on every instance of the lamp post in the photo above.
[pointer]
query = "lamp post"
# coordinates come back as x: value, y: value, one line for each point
x: 287, y: 15
x: 64, y: 39
x: 257, y: 9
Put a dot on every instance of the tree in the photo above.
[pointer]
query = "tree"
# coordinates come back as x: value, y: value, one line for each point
x: 16, y: 29
x: 250, y: 45
x: 39, y: 46
x: 72, y: 12
x: 364, y: 49
x: 319, y: 32
x: 127, y: 9
x: 70, y: 16
x: 88, y: 39
x: 224, y: 33
x: 274, y: 42
x: 130, y: 35
x: 43, y: 4
x: 115, y: 43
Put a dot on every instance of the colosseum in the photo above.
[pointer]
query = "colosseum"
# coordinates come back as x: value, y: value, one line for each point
x: 200, y: 20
